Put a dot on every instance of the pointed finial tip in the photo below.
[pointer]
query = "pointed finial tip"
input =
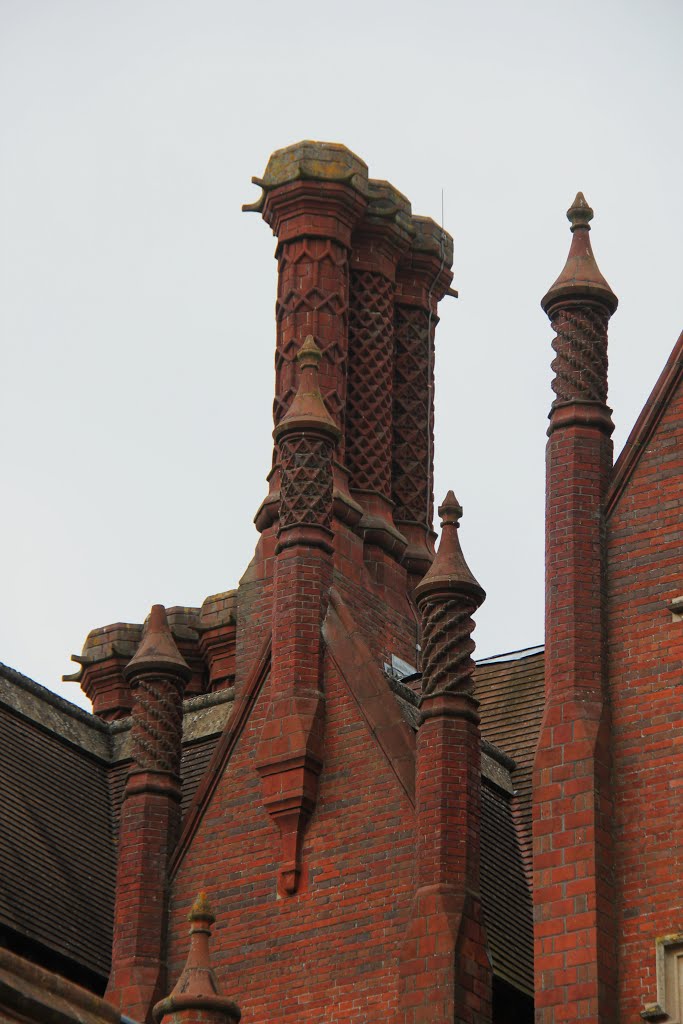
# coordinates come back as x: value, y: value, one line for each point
x: 450, y: 510
x: 201, y: 909
x: 309, y: 354
x: 157, y: 618
x: 579, y: 213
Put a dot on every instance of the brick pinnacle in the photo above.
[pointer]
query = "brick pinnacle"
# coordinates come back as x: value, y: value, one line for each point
x: 580, y: 279
x: 158, y: 651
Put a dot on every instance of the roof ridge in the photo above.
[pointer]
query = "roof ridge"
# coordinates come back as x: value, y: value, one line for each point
x: 518, y: 655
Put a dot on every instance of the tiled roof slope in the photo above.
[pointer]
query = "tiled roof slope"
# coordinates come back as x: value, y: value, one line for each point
x: 506, y: 899
x: 63, y: 773
x: 511, y: 695
x: 57, y: 865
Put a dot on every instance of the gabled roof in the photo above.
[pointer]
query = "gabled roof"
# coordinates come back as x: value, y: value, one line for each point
x: 646, y: 424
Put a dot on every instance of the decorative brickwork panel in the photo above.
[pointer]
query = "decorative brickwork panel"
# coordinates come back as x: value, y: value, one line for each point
x: 157, y: 724
x: 369, y: 404
x: 306, y: 489
x: 580, y: 364
x: 413, y: 416
x: 447, y: 646
x: 312, y: 299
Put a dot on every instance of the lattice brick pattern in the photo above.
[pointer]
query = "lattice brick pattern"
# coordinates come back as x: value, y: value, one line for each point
x: 369, y: 401
x: 446, y: 648
x: 157, y: 724
x: 413, y: 417
x: 306, y: 488
x: 312, y: 299
x: 580, y: 364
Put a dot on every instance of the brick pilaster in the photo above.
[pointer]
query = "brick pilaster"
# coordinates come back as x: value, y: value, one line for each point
x: 572, y: 845
x: 445, y: 972
x: 379, y: 240
x: 290, y: 751
x: 423, y: 278
x: 149, y: 825
x: 314, y: 194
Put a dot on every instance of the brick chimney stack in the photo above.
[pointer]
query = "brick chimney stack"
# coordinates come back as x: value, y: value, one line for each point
x: 573, y: 862
x: 444, y: 966
x: 157, y: 675
x: 423, y: 277
x: 314, y: 194
x: 378, y: 242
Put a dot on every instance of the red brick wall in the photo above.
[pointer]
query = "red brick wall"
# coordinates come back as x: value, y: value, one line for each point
x: 329, y: 953
x: 645, y: 545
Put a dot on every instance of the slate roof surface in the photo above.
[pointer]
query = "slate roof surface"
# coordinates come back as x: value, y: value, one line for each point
x: 56, y: 854
x: 63, y: 773
x: 506, y: 899
x: 511, y: 705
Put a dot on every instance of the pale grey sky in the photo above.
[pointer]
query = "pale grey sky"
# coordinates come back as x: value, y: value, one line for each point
x: 136, y: 300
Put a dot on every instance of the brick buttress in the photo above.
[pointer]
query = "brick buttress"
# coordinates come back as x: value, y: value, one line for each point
x: 572, y: 832
x: 423, y: 277
x: 290, y: 751
x: 445, y: 970
x: 150, y: 818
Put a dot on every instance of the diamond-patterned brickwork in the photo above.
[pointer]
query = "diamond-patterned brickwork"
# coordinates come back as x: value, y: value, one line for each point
x: 413, y: 416
x: 306, y: 488
x: 370, y: 385
x: 312, y: 299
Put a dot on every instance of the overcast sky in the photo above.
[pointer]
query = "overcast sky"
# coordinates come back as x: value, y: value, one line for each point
x: 136, y: 300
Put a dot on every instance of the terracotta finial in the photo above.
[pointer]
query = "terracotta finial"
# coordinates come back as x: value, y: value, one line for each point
x: 201, y: 909
x: 580, y: 213
x: 581, y: 278
x: 309, y: 354
x: 450, y: 511
x: 196, y: 991
x: 158, y: 650
x: 449, y: 570
x: 308, y: 410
